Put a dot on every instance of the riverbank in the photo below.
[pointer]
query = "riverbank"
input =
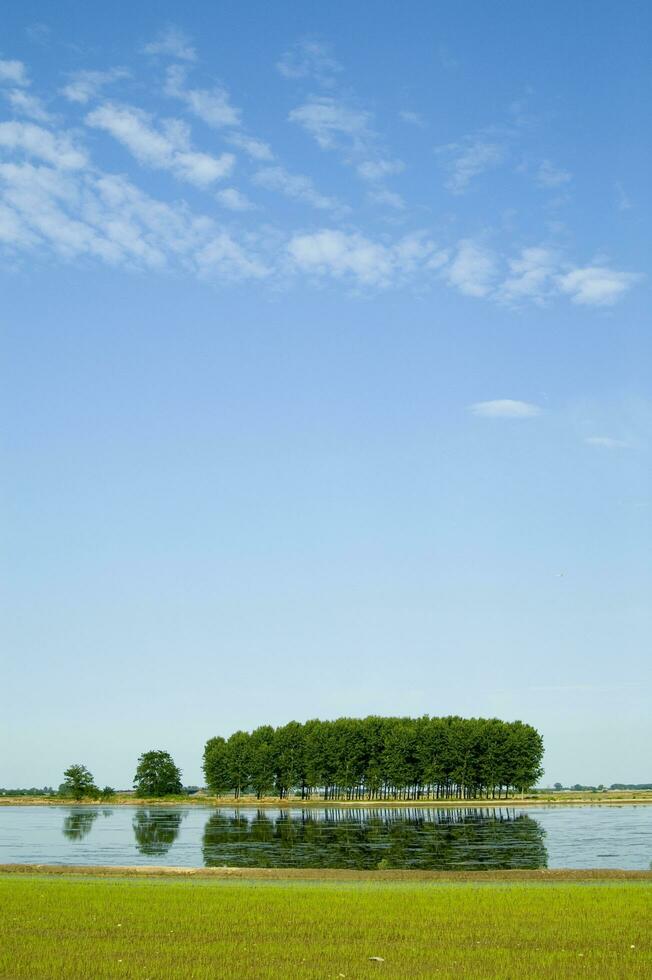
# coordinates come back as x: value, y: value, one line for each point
x: 325, y: 874
x: 606, y: 798
x: 76, y: 927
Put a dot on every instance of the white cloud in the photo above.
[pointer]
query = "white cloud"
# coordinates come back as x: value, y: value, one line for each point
x: 89, y: 214
x: 28, y: 105
x: 224, y: 256
x: 213, y: 105
x: 35, y: 141
x: 412, y: 118
x: 606, y: 442
x: 166, y: 149
x: 254, y: 148
x: 530, y: 275
x: 472, y: 270
x: 234, y: 200
x: 469, y: 159
x: 353, y: 256
x: 295, y: 186
x: 550, y: 176
x: 309, y: 59
x: 13, y: 72
x: 338, y: 254
x: 172, y: 43
x: 378, y: 169
x: 328, y: 121
x: 505, y: 408
x: 86, y: 85
x: 387, y: 198
x: 596, y: 285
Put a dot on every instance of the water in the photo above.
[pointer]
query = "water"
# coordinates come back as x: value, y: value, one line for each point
x: 464, y: 838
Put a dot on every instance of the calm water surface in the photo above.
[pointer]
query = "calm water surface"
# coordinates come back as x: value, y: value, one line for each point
x: 471, y: 838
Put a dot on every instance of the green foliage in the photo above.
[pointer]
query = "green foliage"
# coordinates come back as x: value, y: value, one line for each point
x: 378, y: 758
x: 157, y: 775
x: 78, y: 783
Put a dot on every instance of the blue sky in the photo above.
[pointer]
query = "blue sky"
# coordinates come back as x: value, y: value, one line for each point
x: 325, y: 355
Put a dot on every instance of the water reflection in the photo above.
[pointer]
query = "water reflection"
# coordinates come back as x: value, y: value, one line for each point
x: 79, y: 823
x: 156, y: 830
x: 368, y: 839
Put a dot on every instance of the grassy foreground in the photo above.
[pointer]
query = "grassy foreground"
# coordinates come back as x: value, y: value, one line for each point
x: 197, y: 928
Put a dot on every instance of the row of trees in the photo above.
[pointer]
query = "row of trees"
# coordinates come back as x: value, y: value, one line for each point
x: 378, y: 758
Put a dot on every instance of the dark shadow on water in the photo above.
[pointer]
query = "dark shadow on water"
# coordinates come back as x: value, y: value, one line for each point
x: 370, y: 839
x: 156, y: 830
x: 79, y: 823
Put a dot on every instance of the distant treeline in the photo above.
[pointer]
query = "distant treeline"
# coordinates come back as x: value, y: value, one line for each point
x: 32, y: 791
x: 581, y: 788
x: 378, y: 759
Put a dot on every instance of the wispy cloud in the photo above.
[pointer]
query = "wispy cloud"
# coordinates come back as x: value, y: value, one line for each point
x: 86, y: 85
x: 25, y: 104
x: 88, y: 213
x: 172, y: 43
x: 412, y: 118
x: 355, y: 257
x: 597, y: 285
x: 386, y: 198
x: 469, y: 159
x: 39, y: 143
x: 212, y: 105
x: 505, y: 408
x: 253, y: 147
x: 473, y: 269
x: 234, y: 200
x: 309, y: 59
x: 379, y: 169
x: 606, y: 442
x: 167, y: 148
x: 530, y: 275
x: 552, y: 177
x: 13, y: 72
x: 333, y: 124
x: 296, y: 186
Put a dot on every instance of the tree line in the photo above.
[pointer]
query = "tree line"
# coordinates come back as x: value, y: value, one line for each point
x: 377, y: 758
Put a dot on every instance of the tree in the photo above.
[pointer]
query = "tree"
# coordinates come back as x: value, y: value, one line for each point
x: 216, y: 766
x: 78, y: 782
x: 157, y: 775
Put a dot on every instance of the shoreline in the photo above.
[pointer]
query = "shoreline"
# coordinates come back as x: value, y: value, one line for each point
x: 270, y: 803
x: 325, y: 874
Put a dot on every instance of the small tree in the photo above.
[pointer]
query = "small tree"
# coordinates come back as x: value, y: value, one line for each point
x: 78, y: 782
x: 157, y: 775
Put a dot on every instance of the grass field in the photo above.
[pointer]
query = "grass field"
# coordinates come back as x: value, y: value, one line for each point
x: 53, y: 926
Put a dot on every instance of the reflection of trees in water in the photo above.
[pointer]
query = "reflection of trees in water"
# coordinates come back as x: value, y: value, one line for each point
x: 367, y: 839
x: 78, y: 823
x: 156, y: 830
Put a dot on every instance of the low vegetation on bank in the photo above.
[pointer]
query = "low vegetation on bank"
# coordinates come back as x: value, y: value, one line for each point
x: 193, y: 928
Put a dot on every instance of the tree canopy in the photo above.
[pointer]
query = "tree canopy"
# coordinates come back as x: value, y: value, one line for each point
x: 157, y: 775
x: 78, y: 782
x: 378, y: 758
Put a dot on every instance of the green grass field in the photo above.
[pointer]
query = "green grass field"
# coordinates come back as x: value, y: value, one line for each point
x: 175, y: 928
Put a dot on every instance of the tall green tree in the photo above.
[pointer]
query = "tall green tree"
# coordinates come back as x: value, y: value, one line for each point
x: 78, y: 782
x: 216, y: 766
x: 157, y: 775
